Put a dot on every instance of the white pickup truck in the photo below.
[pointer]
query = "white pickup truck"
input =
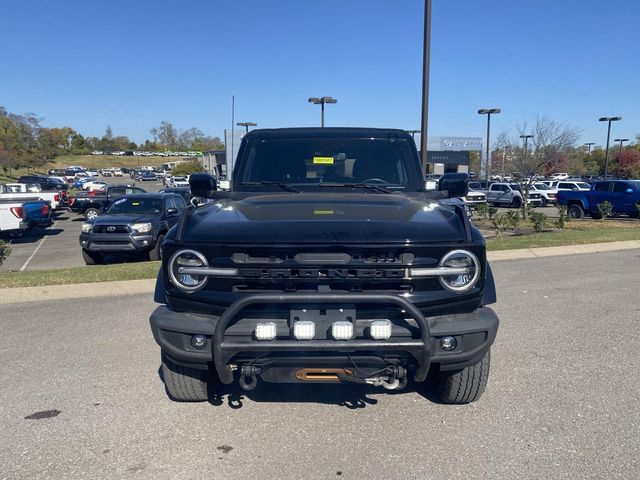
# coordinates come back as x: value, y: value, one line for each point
x: 12, y: 216
x: 10, y: 191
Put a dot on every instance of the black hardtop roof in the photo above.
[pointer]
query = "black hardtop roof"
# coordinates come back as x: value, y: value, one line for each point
x: 327, y: 132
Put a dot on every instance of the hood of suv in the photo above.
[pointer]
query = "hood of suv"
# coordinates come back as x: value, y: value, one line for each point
x: 325, y: 219
x: 125, y: 219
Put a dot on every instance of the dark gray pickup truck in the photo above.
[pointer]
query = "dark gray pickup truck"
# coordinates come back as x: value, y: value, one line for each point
x: 327, y: 261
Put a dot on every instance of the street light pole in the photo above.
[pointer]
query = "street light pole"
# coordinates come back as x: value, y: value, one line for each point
x: 526, y: 144
x: 589, y: 145
x: 606, y: 154
x: 620, y: 149
x: 246, y: 125
x: 487, y: 162
x: 321, y: 101
x: 424, y: 125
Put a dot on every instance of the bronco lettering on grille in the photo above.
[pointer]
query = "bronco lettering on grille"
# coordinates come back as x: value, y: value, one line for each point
x: 331, y: 273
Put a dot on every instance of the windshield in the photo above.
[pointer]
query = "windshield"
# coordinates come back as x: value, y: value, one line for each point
x: 135, y: 206
x: 315, y: 162
x: 583, y: 185
x: 541, y: 186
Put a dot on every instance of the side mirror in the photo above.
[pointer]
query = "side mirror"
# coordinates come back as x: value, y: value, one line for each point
x: 172, y: 211
x: 629, y: 190
x: 456, y: 184
x: 202, y: 185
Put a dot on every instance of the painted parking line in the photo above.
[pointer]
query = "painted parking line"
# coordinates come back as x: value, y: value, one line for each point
x: 33, y: 254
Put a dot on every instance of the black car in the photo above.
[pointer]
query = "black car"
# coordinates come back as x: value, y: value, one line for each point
x: 46, y: 183
x: 328, y: 261
x: 132, y: 224
x: 184, y: 192
x: 147, y: 176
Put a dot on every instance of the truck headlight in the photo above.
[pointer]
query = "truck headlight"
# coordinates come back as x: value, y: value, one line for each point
x: 185, y: 281
x: 86, y: 228
x: 142, y: 227
x: 460, y: 259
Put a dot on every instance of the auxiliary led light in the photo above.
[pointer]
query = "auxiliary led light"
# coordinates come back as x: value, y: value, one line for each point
x: 266, y: 331
x: 380, y: 329
x: 304, y: 330
x: 342, y: 330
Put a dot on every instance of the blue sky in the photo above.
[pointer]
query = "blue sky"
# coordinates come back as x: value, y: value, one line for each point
x: 131, y: 64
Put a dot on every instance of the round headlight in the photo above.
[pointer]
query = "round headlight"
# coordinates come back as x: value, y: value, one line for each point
x: 185, y: 281
x: 463, y: 281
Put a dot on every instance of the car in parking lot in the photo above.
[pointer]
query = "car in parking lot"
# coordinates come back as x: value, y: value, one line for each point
x: 559, y: 176
x: 147, y: 176
x: 548, y: 195
x: 182, y: 191
x: 92, y: 185
x: 623, y: 195
x: 133, y: 224
x: 92, y: 206
x: 510, y: 195
x: 575, y: 186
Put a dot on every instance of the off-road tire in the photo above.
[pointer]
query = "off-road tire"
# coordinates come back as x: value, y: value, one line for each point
x: 466, y: 385
x: 575, y: 211
x: 184, y: 384
x: 91, y: 258
x: 544, y: 202
x: 516, y: 202
x: 156, y: 252
x: 91, y: 213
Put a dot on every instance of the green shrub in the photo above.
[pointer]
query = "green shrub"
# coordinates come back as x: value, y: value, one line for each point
x: 500, y: 223
x: 513, y: 220
x: 492, y: 212
x: 605, y: 208
x: 187, y: 168
x: 539, y: 221
x: 482, y: 210
x: 5, y: 249
x: 562, y: 216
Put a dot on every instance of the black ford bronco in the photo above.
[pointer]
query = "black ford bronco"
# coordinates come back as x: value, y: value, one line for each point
x: 327, y: 261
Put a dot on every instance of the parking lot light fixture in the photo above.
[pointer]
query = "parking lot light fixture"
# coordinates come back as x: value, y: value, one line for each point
x: 606, y: 152
x: 621, y: 140
x: 246, y: 125
x: 488, y: 112
x: 589, y: 145
x: 526, y: 144
x: 321, y: 101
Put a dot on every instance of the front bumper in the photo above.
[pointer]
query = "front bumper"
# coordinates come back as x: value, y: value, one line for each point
x: 117, y: 243
x: 227, y: 337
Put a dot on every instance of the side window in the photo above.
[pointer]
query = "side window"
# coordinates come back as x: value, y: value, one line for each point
x: 564, y: 185
x: 602, y: 187
x: 495, y: 187
x: 620, y: 187
x: 116, y: 192
x: 170, y: 203
x: 180, y: 203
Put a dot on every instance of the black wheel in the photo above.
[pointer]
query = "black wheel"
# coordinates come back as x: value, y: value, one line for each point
x: 184, y: 384
x: 466, y: 385
x: 156, y: 252
x: 516, y: 202
x: 91, y: 213
x: 544, y: 202
x: 91, y: 258
x: 575, y: 211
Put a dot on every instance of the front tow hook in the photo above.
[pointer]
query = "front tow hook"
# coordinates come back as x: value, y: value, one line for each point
x: 248, y: 377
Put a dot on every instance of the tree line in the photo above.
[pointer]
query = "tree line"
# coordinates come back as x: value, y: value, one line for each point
x: 24, y: 142
x: 552, y: 148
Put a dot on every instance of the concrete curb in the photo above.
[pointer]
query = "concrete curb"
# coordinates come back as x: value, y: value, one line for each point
x: 133, y: 287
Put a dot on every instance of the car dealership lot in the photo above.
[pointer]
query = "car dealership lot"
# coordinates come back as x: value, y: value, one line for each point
x: 561, y: 400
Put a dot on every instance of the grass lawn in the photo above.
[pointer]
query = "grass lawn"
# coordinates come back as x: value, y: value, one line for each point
x: 89, y: 274
x: 575, y: 233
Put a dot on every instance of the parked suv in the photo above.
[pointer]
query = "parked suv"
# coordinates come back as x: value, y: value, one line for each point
x: 132, y: 224
x: 510, y: 195
x: 328, y: 261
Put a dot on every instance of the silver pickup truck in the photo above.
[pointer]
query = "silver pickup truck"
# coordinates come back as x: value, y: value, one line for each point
x: 510, y: 195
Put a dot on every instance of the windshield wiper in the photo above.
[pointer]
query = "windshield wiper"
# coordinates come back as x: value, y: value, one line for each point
x: 284, y: 186
x: 366, y: 186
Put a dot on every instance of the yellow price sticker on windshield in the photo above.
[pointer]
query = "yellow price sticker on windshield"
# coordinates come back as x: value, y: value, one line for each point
x: 135, y: 204
x: 323, y: 212
x: 323, y: 160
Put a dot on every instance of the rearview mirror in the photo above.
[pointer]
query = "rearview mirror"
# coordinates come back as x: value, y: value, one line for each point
x: 456, y: 184
x: 202, y: 185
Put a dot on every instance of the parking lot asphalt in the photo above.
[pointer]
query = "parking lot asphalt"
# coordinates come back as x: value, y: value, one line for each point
x: 57, y: 246
x: 81, y: 396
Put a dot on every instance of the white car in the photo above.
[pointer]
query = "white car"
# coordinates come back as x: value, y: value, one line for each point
x: 92, y: 173
x: 474, y: 198
x: 575, y: 186
x: 559, y: 176
x: 177, y: 182
x: 548, y: 194
x: 94, y: 185
x: 117, y: 172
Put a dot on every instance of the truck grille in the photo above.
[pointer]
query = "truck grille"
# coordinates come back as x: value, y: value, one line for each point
x: 111, y: 229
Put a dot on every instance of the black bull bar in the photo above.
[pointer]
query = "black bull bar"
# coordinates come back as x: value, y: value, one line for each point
x: 224, y: 350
